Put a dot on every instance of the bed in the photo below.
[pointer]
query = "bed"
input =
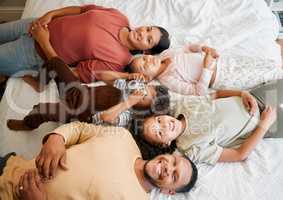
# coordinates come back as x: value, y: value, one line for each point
x: 239, y: 27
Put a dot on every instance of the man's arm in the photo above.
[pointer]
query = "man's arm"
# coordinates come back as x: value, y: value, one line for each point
x: 53, y: 151
x: 233, y: 155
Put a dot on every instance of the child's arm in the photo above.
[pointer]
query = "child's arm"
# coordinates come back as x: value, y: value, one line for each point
x: 111, y: 115
x: 110, y: 76
x: 268, y: 117
x: 248, y: 100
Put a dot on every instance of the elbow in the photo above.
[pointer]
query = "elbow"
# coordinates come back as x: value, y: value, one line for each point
x: 242, y: 156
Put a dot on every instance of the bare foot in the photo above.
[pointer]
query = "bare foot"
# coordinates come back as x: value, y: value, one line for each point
x: 18, y: 125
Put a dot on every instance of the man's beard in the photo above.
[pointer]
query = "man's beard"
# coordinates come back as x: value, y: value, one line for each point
x: 148, y: 177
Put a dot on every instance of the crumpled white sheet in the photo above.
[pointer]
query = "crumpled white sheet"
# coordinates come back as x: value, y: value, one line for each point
x: 242, y: 27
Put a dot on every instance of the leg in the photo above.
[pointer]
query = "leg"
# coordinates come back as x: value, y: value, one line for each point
x: 42, y: 112
x: 241, y: 72
x: 13, y: 30
x: 272, y: 94
x: 18, y: 56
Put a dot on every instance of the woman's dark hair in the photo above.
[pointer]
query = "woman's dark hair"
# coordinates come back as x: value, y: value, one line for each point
x: 193, y: 179
x: 163, y: 43
x: 148, y: 150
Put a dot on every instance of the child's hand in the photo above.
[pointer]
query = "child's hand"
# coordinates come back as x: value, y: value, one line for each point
x: 268, y: 117
x: 40, y: 33
x: 138, y: 76
x: 209, y: 61
x: 249, y: 102
x: 210, y: 50
x: 136, y: 97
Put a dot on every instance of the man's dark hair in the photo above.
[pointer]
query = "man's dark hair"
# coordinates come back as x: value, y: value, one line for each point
x: 163, y: 43
x: 193, y: 179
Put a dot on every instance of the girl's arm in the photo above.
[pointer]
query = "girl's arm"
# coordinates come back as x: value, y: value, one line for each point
x: 268, y: 117
x: 110, y: 76
x: 112, y: 113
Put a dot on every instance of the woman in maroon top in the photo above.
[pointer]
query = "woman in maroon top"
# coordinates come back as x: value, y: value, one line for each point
x: 91, y: 38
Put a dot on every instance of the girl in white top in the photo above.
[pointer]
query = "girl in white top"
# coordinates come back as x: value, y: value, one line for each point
x: 205, y: 129
x: 193, y: 69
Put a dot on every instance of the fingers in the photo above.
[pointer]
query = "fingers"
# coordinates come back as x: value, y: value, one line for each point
x: 53, y: 167
x: 38, y: 181
x: 63, y: 163
x: 46, y: 167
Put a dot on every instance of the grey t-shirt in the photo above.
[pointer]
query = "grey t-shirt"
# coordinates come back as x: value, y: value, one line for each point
x: 212, y: 125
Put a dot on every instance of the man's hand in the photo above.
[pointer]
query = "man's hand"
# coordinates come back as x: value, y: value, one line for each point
x: 40, y: 33
x: 268, y: 117
x: 249, y: 102
x: 30, y: 187
x: 51, y: 156
x: 138, y: 76
x: 44, y: 21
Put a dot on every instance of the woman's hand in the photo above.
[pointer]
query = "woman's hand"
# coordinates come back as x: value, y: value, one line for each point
x: 249, y: 102
x: 268, y: 117
x: 40, y: 33
x: 44, y: 21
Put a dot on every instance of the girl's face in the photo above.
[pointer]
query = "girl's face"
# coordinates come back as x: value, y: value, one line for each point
x: 148, y: 65
x: 162, y: 130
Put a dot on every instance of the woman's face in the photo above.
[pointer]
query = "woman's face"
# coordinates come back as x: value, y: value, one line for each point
x: 144, y: 37
x: 162, y: 130
x: 148, y: 65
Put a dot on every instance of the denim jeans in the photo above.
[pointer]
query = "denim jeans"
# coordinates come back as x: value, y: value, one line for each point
x: 18, y: 55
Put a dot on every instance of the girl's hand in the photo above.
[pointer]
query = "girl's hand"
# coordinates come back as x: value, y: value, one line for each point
x: 249, y: 102
x: 210, y: 50
x: 138, y: 76
x: 109, y: 117
x: 40, y: 33
x: 44, y: 21
x: 136, y: 97
x: 268, y: 117
x: 209, y: 61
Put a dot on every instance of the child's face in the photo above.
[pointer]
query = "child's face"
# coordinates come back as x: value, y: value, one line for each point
x: 162, y: 130
x: 148, y: 65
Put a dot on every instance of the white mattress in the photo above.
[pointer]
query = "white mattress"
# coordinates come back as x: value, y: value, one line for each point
x: 242, y: 27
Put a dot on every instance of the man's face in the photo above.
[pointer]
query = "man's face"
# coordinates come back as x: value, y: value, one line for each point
x: 169, y: 172
x: 144, y: 37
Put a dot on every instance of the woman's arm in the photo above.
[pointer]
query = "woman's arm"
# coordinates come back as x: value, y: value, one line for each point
x: 268, y: 117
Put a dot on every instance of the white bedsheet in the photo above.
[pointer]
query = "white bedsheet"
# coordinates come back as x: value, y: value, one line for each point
x: 239, y: 26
